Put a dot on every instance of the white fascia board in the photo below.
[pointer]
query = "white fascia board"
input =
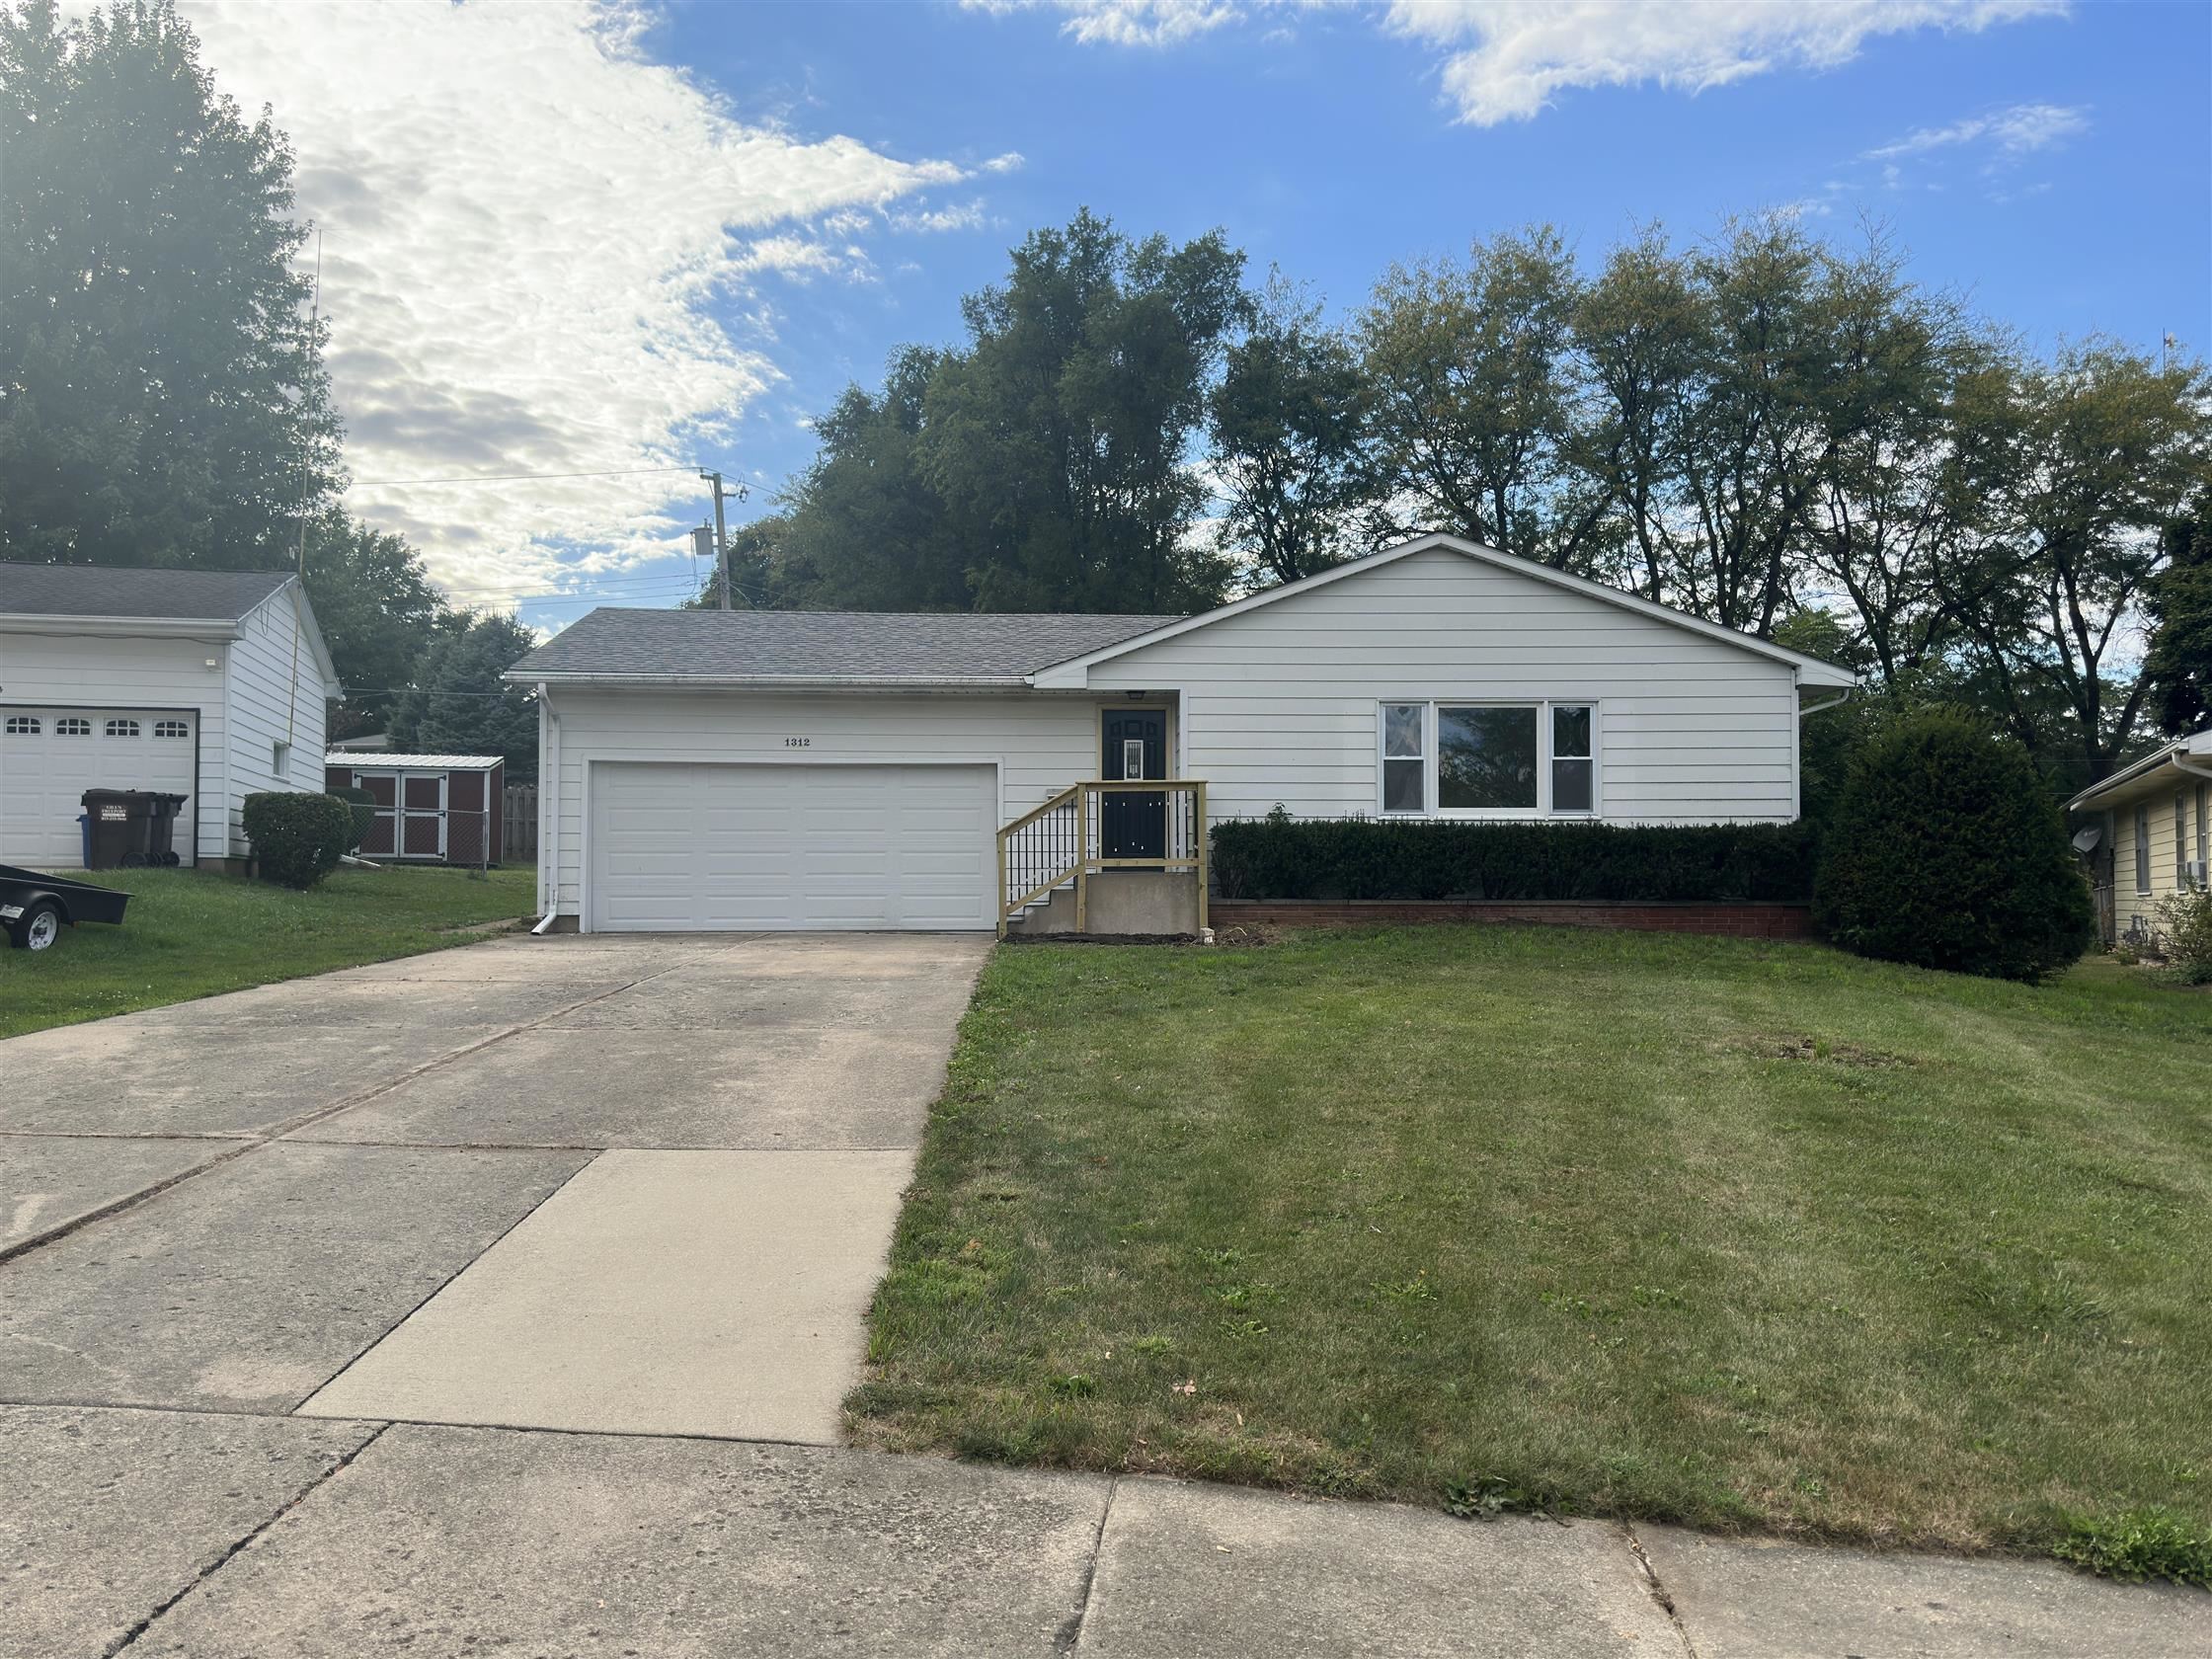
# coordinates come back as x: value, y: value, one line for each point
x: 124, y: 627
x: 2196, y: 743
x: 1074, y: 673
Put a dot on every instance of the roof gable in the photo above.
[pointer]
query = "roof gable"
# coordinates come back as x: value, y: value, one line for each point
x: 1073, y: 674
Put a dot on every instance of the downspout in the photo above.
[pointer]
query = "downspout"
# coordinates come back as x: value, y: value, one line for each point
x: 548, y: 811
x: 1837, y: 701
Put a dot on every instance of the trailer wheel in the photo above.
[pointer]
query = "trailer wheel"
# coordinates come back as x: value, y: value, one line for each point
x: 38, y: 926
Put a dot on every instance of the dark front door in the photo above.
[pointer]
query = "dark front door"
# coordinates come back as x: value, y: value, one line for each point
x: 1132, y: 822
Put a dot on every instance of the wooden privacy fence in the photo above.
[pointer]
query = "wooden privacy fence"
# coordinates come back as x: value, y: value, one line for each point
x: 519, y: 833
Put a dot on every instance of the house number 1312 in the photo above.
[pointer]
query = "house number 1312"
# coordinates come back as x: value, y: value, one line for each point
x: 798, y: 742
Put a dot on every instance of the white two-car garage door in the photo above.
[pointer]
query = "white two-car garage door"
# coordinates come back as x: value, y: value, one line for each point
x: 676, y: 848
x: 49, y: 757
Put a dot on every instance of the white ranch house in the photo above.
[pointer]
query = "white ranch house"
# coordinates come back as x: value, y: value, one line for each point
x: 208, y: 684
x: 761, y: 769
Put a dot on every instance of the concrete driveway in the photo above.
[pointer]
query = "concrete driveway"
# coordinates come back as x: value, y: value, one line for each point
x: 502, y: 1299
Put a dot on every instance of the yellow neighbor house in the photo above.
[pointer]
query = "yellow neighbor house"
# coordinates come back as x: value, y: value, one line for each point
x: 2153, y: 819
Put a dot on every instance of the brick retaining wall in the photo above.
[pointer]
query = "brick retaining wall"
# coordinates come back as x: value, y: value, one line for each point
x: 1748, y: 920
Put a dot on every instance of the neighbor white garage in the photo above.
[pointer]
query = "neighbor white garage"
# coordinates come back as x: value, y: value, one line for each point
x: 50, y: 754
x: 808, y: 846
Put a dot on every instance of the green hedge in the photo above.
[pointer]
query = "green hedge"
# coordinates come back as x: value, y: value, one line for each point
x: 1947, y: 851
x: 298, y: 838
x: 1281, y: 857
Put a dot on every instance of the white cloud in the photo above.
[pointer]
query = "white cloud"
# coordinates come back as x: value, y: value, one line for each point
x: 527, y: 222
x: 1520, y: 52
x: 1011, y: 162
x: 1504, y: 59
x: 1126, y: 23
x: 2016, y: 132
x: 966, y: 215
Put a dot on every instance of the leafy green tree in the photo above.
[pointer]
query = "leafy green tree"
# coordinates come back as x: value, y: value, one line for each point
x: 1060, y: 439
x: 865, y: 528
x: 1946, y: 851
x: 1465, y: 366
x: 2178, y: 605
x: 2106, y: 451
x: 378, y: 611
x: 161, y: 401
x: 459, y: 705
x: 1286, y: 423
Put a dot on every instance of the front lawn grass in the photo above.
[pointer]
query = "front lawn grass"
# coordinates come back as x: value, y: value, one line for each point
x: 191, y: 934
x: 1727, y: 1232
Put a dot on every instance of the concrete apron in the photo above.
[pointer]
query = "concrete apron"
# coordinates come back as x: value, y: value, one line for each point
x: 717, y: 1290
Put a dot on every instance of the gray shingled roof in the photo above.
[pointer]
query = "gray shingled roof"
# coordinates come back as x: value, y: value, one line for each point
x: 811, y: 644
x: 132, y: 590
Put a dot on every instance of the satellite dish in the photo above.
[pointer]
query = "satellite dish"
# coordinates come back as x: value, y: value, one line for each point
x: 2085, y: 841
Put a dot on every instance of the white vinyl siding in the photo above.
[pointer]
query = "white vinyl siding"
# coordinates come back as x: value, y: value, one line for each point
x: 271, y: 702
x: 1038, y: 742
x: 1279, y: 703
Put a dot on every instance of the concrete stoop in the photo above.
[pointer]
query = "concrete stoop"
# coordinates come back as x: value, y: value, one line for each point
x: 1150, y: 903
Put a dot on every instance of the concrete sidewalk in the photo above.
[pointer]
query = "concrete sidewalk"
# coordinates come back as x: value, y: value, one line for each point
x: 224, y: 1535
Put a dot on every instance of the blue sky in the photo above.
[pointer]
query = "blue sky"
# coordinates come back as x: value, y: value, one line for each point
x: 725, y: 215
x: 1326, y: 148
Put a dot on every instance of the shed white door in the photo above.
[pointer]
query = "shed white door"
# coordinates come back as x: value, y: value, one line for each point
x: 49, y: 757
x: 680, y: 847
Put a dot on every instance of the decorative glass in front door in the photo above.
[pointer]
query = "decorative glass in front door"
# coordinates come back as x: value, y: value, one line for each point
x: 1132, y: 822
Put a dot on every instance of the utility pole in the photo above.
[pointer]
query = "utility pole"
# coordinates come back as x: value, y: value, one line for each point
x: 721, y: 542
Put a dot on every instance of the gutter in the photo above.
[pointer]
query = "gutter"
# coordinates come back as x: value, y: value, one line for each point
x: 984, y: 682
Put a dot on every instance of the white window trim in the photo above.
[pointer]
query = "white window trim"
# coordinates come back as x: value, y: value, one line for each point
x: 1542, y: 809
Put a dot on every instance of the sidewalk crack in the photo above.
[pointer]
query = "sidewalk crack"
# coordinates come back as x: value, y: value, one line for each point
x: 1657, y: 1590
x: 132, y: 1636
x: 1070, y: 1630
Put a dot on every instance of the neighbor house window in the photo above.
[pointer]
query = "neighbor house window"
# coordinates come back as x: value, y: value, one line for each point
x: 70, y: 726
x: 2204, y: 824
x: 23, y: 725
x: 171, y: 729
x: 123, y: 728
x: 2181, y: 841
x: 2143, y: 849
x: 1488, y: 760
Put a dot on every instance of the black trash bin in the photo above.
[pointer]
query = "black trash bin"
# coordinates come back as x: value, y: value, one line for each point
x: 121, y: 822
x: 161, y: 829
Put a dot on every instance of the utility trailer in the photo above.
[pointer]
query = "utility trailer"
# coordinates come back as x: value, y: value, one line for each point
x: 35, y: 907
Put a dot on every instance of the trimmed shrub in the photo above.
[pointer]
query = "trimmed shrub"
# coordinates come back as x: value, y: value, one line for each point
x: 363, y: 806
x: 1282, y: 857
x: 298, y: 838
x: 1947, y: 851
x: 2186, y: 935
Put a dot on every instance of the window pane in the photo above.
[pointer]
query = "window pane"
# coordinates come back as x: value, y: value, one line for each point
x: 1401, y: 729
x: 1486, y: 758
x: 1570, y: 786
x: 1570, y: 732
x: 1402, y: 786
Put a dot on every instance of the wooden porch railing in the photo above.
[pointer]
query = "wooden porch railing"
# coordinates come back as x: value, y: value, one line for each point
x: 1064, y: 840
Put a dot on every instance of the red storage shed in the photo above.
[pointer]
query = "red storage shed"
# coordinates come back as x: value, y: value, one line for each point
x: 433, y: 809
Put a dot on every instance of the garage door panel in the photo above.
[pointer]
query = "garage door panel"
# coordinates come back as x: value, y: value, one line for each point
x: 50, y: 754
x: 749, y: 846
